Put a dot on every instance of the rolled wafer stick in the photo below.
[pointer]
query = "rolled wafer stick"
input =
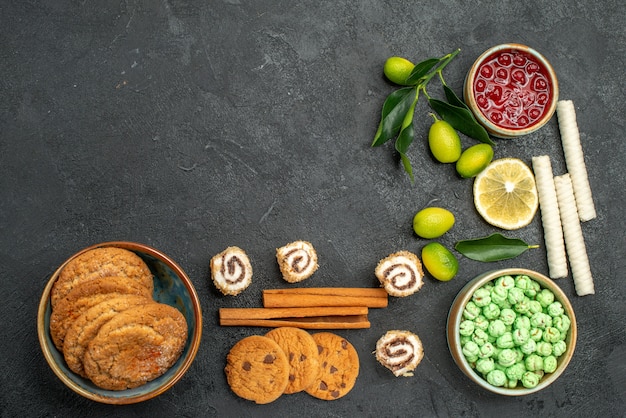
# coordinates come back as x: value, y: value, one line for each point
x: 572, y: 148
x: 550, y: 217
x: 574, y: 241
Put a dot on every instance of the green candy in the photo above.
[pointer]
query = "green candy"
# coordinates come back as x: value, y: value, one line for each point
x: 516, y: 371
x: 487, y: 350
x: 491, y: 311
x: 534, y: 307
x: 545, y: 297
x: 485, y: 365
x: 522, y: 282
x: 558, y: 348
x: 482, y: 297
x: 505, y: 282
x: 470, y: 351
x: 540, y: 320
x: 534, y: 362
x: 529, y: 347
x: 555, y: 309
x: 466, y: 327
x: 508, y: 315
x: 551, y: 335
x: 522, y: 322
x: 471, y: 311
x: 536, y: 334
x: 481, y: 322
x: 496, y: 328
x: 515, y: 295
x: 520, y: 336
x: 530, y: 380
x: 507, y: 357
x: 544, y: 348
x: 562, y: 323
x: 505, y: 340
x: 496, y: 377
x: 523, y: 306
x: 550, y: 364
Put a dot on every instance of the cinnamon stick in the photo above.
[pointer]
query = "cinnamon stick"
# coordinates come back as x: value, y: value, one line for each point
x: 311, y: 318
x: 325, y: 297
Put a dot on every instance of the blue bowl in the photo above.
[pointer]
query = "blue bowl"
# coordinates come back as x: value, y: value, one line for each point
x: 171, y: 286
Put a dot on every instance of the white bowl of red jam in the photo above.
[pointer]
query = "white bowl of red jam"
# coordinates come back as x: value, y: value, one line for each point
x: 512, y: 90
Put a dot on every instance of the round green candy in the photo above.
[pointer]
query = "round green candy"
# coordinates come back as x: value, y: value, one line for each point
x: 540, y: 320
x: 530, y: 380
x: 534, y: 307
x: 551, y: 335
x: 496, y: 377
x: 536, y: 334
x: 562, y: 323
x: 521, y: 322
x: 508, y: 315
x: 522, y: 282
x: 480, y: 337
x: 545, y: 297
x: 470, y: 351
x: 520, y: 336
x: 516, y: 371
x: 466, y: 327
x: 555, y: 309
x: 506, y: 282
x: 544, y: 348
x: 471, y: 311
x: 482, y: 297
x: 491, y: 311
x: 481, y: 322
x: 515, y: 295
x: 523, y: 306
x: 487, y: 350
x: 485, y: 365
x: 558, y: 348
x: 507, y: 357
x: 505, y: 340
x: 529, y: 347
x: 549, y: 364
x: 496, y: 328
x: 534, y: 362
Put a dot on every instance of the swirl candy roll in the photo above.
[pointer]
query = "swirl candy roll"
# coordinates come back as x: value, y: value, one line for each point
x: 574, y: 241
x: 297, y: 261
x: 400, y: 273
x: 231, y: 271
x: 550, y: 218
x: 573, y: 151
x: 400, y: 352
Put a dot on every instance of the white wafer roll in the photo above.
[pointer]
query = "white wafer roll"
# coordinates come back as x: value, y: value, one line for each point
x: 572, y: 148
x: 574, y: 241
x: 550, y: 217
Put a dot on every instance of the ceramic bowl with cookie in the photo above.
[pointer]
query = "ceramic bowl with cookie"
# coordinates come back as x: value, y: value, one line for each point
x: 512, y: 331
x: 119, y: 322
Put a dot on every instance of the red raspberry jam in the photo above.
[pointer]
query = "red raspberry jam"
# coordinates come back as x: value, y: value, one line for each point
x: 513, y: 89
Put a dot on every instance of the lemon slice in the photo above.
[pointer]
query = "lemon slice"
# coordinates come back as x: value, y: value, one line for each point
x: 505, y: 194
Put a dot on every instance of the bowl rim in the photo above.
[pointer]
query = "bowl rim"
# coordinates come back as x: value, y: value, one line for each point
x: 189, y: 357
x: 492, y: 128
x: 454, y: 320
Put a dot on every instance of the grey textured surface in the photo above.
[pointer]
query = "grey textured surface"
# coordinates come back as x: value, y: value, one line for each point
x: 194, y: 125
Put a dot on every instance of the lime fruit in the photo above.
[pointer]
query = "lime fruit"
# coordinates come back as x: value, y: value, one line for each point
x: 505, y: 194
x: 432, y: 222
x: 398, y: 69
x: 444, y: 141
x: 439, y: 261
x: 474, y: 160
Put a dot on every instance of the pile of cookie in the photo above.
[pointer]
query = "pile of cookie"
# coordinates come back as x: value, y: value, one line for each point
x: 288, y: 360
x: 106, y: 323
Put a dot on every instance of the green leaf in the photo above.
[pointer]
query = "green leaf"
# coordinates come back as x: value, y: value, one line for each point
x: 452, y: 98
x: 396, y: 105
x: 495, y: 247
x: 461, y: 119
x: 404, y: 140
x: 420, y: 70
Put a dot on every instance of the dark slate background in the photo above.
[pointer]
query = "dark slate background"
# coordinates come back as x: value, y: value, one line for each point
x: 194, y: 125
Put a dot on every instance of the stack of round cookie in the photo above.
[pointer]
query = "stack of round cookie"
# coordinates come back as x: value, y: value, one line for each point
x: 106, y: 323
x: 289, y: 360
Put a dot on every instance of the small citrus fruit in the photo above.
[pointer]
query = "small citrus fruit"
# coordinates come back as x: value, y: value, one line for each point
x: 432, y: 222
x: 439, y: 261
x: 474, y: 160
x: 444, y: 141
x: 505, y: 194
x: 398, y: 69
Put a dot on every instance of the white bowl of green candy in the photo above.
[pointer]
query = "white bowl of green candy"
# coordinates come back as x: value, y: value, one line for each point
x: 512, y: 331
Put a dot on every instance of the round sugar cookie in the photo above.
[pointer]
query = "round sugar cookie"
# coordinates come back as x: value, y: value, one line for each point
x: 257, y: 369
x: 85, y: 295
x: 87, y: 325
x: 339, y: 367
x: 301, y: 351
x: 136, y: 346
x: 101, y: 262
